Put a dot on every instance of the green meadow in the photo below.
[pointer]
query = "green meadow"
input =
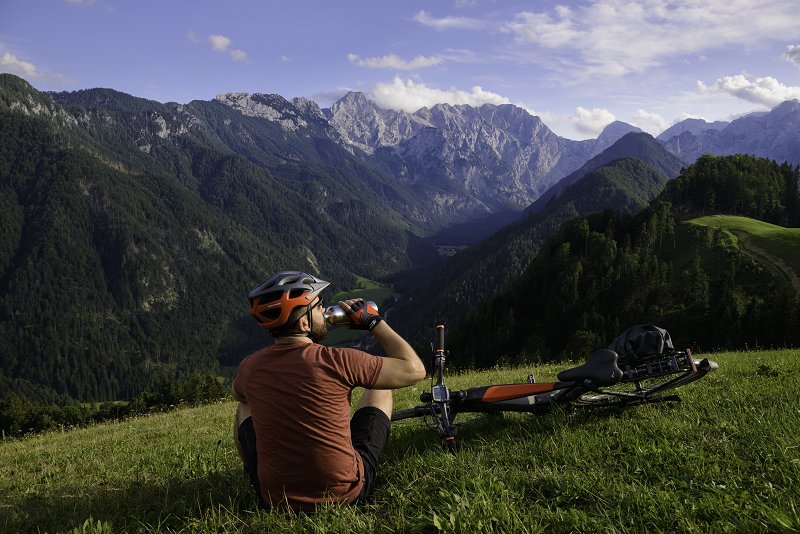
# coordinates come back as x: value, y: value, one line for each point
x: 725, y: 459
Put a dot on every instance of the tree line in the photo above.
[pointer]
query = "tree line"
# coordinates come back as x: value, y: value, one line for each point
x: 20, y: 415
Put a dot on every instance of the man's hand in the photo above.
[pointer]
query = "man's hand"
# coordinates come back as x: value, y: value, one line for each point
x: 362, y: 316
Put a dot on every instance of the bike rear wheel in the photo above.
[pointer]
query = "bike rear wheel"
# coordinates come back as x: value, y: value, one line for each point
x: 651, y: 380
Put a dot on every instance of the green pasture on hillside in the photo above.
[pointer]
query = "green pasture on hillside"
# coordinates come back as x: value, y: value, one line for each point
x: 779, y: 242
x: 726, y: 459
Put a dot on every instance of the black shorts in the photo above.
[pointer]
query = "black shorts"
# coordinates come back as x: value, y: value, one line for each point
x: 369, y: 430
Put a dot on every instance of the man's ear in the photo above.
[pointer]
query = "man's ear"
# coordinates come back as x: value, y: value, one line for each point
x: 303, y: 324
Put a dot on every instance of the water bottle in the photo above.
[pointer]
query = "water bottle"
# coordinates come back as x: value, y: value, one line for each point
x: 335, y: 315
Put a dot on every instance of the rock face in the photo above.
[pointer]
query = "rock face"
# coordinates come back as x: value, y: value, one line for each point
x: 462, y: 161
x: 500, y: 156
x: 273, y: 108
x: 363, y: 124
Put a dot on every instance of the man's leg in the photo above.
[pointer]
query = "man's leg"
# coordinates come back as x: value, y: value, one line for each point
x: 245, y: 438
x: 242, y: 413
x: 370, y: 428
x: 379, y: 398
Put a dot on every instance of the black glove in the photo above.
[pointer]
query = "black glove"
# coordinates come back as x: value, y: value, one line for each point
x: 363, y: 316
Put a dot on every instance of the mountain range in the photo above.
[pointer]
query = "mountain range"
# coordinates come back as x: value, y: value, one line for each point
x: 133, y: 228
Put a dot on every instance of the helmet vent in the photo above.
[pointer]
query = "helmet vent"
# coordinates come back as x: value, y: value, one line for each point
x: 294, y: 293
x: 272, y: 296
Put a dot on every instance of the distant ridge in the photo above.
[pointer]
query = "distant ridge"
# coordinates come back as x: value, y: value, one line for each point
x: 693, y: 126
x: 774, y: 134
x: 638, y: 145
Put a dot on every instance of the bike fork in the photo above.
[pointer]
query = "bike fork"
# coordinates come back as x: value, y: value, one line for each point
x: 441, y: 396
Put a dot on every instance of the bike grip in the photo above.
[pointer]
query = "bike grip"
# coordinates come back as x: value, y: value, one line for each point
x: 440, y: 329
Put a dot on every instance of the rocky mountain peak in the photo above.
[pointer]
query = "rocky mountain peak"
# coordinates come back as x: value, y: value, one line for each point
x: 362, y: 123
x: 614, y: 132
x: 787, y: 107
x: 308, y: 107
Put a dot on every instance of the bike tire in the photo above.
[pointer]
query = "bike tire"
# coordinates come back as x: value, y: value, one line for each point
x: 410, y: 413
x: 646, y: 390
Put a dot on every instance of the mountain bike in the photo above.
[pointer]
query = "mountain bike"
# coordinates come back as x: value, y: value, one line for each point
x: 604, y: 380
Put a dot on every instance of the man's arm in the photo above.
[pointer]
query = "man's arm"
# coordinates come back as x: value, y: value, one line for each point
x: 236, y: 395
x: 401, y: 366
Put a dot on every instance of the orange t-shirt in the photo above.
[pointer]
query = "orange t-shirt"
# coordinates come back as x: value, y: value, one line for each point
x: 299, y: 397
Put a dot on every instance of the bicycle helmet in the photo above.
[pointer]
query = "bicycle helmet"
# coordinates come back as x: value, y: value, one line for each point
x: 272, y: 302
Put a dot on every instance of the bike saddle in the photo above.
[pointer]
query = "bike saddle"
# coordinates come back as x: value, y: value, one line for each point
x: 600, y: 369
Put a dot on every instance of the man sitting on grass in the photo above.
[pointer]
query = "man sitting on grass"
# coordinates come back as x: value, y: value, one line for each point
x: 293, y: 428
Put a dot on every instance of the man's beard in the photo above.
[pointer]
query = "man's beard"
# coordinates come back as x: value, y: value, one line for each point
x: 318, y: 331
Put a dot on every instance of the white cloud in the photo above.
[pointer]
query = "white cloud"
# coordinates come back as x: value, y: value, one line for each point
x: 792, y: 54
x: 238, y: 55
x: 618, y: 37
x: 542, y: 29
x: 591, y: 121
x: 406, y: 95
x: 284, y: 58
x: 652, y: 123
x: 81, y: 2
x: 448, y: 23
x: 766, y: 91
x: 13, y: 65
x: 393, y: 61
x: 221, y: 43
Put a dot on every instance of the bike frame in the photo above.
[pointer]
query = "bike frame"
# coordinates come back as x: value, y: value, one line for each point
x: 596, y: 376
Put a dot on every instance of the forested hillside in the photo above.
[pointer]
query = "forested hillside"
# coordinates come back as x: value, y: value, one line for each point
x: 126, y: 252
x: 603, y: 273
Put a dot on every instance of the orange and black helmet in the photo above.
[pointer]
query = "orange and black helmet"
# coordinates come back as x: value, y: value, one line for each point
x: 272, y: 302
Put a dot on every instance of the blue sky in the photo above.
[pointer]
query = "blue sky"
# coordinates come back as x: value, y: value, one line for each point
x: 576, y: 64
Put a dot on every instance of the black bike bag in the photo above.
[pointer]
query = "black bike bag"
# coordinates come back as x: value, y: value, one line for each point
x: 600, y: 369
x: 639, y: 342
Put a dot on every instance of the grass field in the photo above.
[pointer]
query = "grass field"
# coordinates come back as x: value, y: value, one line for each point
x: 725, y: 459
